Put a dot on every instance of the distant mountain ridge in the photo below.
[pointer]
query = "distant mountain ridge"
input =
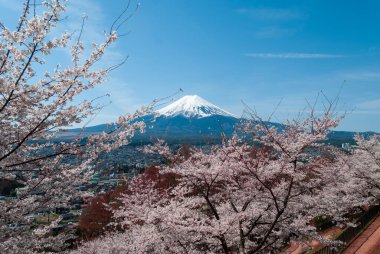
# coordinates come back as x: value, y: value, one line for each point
x: 192, y: 119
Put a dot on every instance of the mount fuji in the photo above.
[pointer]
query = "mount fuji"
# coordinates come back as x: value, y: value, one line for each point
x: 193, y: 106
x: 192, y: 119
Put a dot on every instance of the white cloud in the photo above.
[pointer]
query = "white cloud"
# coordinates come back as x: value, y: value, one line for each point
x: 362, y: 75
x: 369, y: 105
x: 293, y: 55
x: 271, y: 13
x: 274, y: 32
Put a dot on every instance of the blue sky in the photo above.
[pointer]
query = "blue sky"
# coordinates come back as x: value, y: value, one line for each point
x: 227, y: 51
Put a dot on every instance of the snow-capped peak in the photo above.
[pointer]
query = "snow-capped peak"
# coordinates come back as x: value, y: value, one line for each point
x: 193, y: 106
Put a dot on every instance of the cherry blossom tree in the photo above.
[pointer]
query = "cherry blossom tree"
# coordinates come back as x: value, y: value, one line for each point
x: 363, y: 166
x: 242, y: 197
x: 34, y: 107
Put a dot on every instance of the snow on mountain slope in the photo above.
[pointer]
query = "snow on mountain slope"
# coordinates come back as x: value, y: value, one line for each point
x: 193, y: 106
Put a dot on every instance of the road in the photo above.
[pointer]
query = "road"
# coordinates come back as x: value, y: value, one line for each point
x: 367, y: 242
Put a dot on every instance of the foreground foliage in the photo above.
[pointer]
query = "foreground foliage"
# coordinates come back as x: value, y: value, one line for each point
x: 242, y: 197
x: 34, y: 106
